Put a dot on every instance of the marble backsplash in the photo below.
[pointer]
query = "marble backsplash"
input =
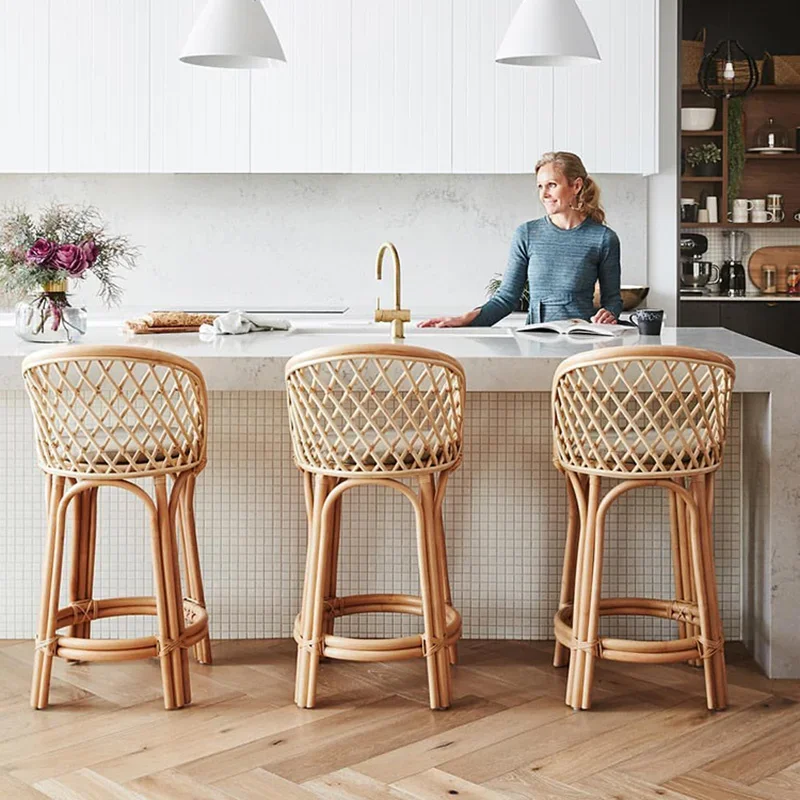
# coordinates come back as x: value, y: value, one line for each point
x: 264, y: 240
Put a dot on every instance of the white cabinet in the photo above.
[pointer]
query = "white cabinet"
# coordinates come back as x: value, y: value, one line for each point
x: 24, y: 107
x: 199, y: 117
x: 502, y: 115
x: 300, y: 110
x: 98, y: 88
x: 370, y: 86
x: 401, y: 85
x: 607, y: 112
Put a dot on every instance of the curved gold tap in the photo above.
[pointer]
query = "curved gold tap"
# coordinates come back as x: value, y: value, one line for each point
x: 397, y: 316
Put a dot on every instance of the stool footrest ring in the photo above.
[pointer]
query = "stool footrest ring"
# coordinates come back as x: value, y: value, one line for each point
x: 392, y: 649
x: 79, y: 649
x: 652, y: 652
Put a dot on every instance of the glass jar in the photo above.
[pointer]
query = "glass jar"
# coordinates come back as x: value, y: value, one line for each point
x: 793, y: 279
x: 769, y: 279
x: 48, y: 317
x: 771, y: 136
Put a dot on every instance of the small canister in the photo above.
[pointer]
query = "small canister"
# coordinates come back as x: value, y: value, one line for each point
x: 793, y: 279
x: 769, y: 275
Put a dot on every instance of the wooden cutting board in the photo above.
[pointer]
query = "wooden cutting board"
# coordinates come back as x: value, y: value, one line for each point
x: 779, y: 257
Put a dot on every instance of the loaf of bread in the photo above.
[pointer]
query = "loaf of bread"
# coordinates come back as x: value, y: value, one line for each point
x: 169, y: 322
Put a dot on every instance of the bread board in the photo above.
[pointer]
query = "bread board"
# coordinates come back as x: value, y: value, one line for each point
x: 780, y: 257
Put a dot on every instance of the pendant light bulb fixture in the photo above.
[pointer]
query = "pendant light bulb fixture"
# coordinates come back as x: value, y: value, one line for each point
x: 548, y: 33
x: 233, y: 34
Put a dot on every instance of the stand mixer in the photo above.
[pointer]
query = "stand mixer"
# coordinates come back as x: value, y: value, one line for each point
x: 732, y: 278
x: 696, y: 274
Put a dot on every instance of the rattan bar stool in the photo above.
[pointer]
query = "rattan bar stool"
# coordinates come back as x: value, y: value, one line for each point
x: 369, y: 415
x: 105, y: 416
x: 645, y: 416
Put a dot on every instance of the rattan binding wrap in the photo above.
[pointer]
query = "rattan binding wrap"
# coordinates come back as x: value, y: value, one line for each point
x: 643, y: 411
x: 375, y: 410
x: 115, y: 411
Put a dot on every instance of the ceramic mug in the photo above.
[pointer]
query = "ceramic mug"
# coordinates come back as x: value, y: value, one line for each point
x: 762, y: 215
x: 738, y: 215
x: 742, y: 203
x: 648, y: 321
x: 760, y: 204
x: 797, y: 215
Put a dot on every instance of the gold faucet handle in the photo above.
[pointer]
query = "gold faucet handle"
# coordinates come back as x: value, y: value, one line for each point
x: 392, y: 314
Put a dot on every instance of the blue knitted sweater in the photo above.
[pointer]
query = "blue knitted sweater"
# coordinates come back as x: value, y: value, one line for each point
x: 561, y: 267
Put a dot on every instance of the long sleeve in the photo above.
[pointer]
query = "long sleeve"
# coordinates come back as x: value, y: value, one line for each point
x: 506, y: 298
x: 609, y: 275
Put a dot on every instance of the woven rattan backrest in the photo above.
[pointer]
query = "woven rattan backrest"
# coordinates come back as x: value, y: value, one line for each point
x: 375, y: 409
x: 642, y: 411
x: 116, y: 411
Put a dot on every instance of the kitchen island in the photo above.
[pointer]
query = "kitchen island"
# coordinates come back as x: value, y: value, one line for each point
x: 505, y: 511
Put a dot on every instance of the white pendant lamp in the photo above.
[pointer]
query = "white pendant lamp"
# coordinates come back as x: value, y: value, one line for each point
x: 233, y: 34
x: 548, y: 33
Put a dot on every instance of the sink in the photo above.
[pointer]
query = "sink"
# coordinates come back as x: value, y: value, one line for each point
x: 380, y: 329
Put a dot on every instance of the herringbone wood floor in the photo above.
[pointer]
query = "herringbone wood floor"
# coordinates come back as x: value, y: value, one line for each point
x: 508, y: 735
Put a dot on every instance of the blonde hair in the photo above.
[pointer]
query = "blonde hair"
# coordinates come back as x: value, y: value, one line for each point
x: 571, y: 167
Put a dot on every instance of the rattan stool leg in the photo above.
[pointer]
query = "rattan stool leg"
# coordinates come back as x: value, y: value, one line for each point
x: 441, y: 555
x: 580, y: 614
x: 168, y: 672
x: 194, y: 576
x: 711, y: 641
x: 561, y: 653
x: 308, y: 650
x: 432, y: 591
x: 84, y: 531
x: 685, y: 567
x: 332, y: 568
x: 40, y: 682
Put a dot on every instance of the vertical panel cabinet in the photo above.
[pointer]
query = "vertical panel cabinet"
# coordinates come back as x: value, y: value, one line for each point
x: 373, y: 86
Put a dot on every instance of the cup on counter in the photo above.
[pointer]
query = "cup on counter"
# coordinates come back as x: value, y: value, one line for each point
x: 648, y: 321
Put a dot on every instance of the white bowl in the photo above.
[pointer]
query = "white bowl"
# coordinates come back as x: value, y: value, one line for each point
x: 697, y: 119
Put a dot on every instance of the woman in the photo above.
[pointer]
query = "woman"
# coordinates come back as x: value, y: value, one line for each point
x: 560, y: 255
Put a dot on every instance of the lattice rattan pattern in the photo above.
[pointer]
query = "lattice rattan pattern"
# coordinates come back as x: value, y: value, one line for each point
x: 644, y: 414
x: 382, y: 410
x: 116, y: 412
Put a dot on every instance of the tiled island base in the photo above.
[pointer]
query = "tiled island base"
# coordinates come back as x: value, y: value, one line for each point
x: 505, y: 521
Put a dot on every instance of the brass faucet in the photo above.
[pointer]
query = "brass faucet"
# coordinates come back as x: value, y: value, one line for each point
x: 397, y: 316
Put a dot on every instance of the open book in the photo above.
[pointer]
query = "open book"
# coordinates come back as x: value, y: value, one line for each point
x: 577, y: 326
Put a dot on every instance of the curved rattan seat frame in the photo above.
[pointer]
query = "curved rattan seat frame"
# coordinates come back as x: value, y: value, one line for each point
x: 677, y: 400
x: 106, y: 416
x: 406, y: 404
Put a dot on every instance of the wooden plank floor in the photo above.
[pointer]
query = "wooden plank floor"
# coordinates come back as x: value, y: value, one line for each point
x: 508, y: 735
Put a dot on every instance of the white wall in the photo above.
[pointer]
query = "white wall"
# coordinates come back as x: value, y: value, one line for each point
x: 250, y: 240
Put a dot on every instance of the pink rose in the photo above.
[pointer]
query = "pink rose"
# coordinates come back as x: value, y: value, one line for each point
x: 41, y: 251
x: 90, y: 251
x: 71, y: 259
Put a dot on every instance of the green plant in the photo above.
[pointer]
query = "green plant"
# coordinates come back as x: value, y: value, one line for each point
x: 707, y: 153
x: 525, y: 297
x: 735, y: 147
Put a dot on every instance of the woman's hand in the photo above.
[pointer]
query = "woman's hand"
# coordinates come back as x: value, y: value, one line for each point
x: 604, y: 317
x: 450, y: 322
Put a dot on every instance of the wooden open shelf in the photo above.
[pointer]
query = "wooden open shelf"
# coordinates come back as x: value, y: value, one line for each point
x: 775, y: 157
x: 701, y: 179
x: 712, y: 132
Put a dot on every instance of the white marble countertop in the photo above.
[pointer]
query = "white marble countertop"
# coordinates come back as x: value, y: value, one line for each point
x: 756, y: 296
x: 495, y: 359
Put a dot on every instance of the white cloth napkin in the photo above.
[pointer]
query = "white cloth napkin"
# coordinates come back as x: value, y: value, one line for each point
x: 236, y: 322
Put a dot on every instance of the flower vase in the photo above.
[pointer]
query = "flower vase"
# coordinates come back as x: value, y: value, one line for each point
x: 47, y: 317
